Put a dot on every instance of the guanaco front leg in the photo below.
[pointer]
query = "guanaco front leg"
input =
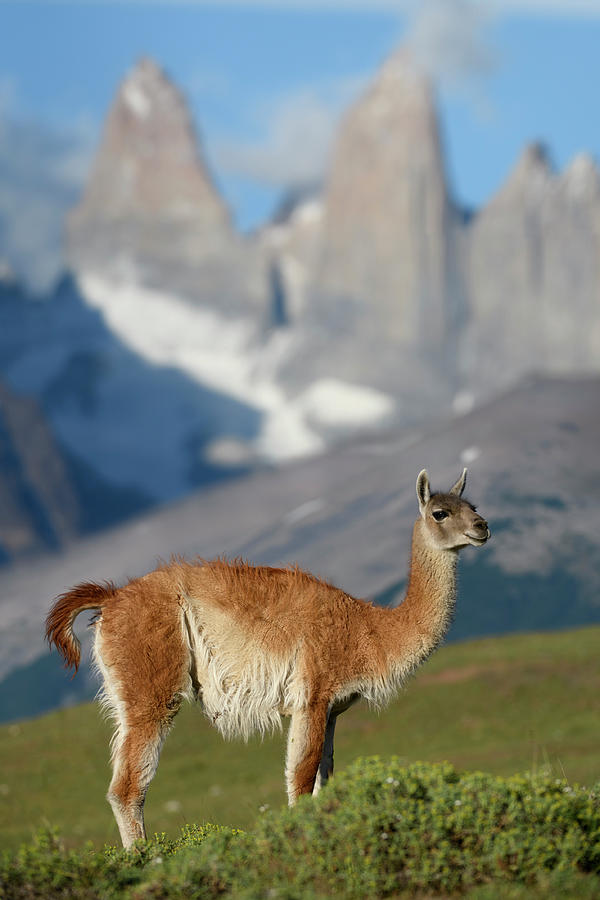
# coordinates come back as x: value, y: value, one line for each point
x: 325, y: 769
x: 306, y: 739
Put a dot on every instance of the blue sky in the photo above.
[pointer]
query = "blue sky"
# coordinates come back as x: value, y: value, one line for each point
x: 267, y: 84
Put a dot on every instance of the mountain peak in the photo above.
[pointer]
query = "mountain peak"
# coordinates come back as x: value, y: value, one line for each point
x: 534, y: 162
x: 149, y: 196
x: 400, y: 91
x: 148, y: 161
x: 142, y: 85
x: 529, y: 179
x: 401, y: 70
x: 581, y: 178
x: 388, y: 174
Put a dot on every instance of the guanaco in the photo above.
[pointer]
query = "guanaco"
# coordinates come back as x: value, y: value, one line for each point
x: 252, y: 643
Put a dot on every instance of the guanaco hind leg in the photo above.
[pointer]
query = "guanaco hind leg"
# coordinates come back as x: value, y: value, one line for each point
x: 143, y: 709
x: 134, y: 764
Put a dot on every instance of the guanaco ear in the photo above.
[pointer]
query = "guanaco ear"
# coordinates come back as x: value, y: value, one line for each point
x: 459, y: 487
x: 423, y: 489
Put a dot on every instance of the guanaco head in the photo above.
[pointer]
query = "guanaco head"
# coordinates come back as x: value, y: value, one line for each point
x: 450, y: 521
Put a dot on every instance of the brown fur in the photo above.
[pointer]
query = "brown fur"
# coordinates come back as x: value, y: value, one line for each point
x: 59, y: 622
x: 251, y: 642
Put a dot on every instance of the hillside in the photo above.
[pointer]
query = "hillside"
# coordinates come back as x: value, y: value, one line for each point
x: 39, y: 508
x: 347, y: 516
x: 506, y: 705
x: 102, y: 401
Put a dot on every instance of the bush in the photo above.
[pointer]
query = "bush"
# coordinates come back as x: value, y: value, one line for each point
x: 379, y: 829
x: 45, y: 869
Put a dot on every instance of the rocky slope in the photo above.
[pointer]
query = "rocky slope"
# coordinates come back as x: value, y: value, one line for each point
x: 533, y: 274
x: 151, y: 213
x: 39, y: 505
x: 347, y: 516
x: 136, y: 431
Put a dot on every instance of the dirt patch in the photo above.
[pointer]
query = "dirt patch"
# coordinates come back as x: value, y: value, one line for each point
x: 464, y: 673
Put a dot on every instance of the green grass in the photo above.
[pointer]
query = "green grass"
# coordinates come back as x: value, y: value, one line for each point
x: 502, y: 705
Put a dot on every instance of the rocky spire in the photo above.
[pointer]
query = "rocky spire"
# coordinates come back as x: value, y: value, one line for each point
x: 148, y: 162
x: 150, y: 203
x: 533, y: 272
x: 39, y: 507
x: 387, y: 241
x: 581, y: 179
x: 570, y: 225
x: 504, y: 273
x: 528, y: 183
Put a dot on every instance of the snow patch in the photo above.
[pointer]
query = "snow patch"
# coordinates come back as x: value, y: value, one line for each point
x: 463, y: 403
x: 334, y: 403
x: 229, y: 452
x: 169, y: 331
x: 308, y: 213
x: 469, y: 455
x: 304, y: 510
x: 137, y: 101
x: 231, y: 357
x: 216, y: 352
x: 286, y: 435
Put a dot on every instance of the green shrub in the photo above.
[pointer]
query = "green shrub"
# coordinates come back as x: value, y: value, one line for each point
x: 379, y: 829
x: 46, y: 869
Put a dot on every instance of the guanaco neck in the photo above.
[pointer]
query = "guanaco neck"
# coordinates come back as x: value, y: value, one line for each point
x: 414, y: 629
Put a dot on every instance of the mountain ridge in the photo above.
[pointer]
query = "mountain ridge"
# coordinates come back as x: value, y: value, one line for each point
x: 379, y: 281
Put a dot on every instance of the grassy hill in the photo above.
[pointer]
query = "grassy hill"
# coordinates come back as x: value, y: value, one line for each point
x: 502, y: 705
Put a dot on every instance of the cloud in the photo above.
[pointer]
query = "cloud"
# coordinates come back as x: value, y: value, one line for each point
x: 448, y: 38
x: 296, y: 135
x: 41, y: 173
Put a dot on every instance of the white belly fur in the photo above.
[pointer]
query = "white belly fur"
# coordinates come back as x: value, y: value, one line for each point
x: 242, y: 688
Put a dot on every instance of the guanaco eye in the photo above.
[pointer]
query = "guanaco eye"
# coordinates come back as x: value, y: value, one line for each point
x: 439, y: 515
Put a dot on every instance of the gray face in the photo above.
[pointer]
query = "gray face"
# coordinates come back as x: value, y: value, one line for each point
x: 451, y: 521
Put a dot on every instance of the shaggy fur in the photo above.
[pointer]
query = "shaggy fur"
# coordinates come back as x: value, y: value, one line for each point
x: 252, y: 643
